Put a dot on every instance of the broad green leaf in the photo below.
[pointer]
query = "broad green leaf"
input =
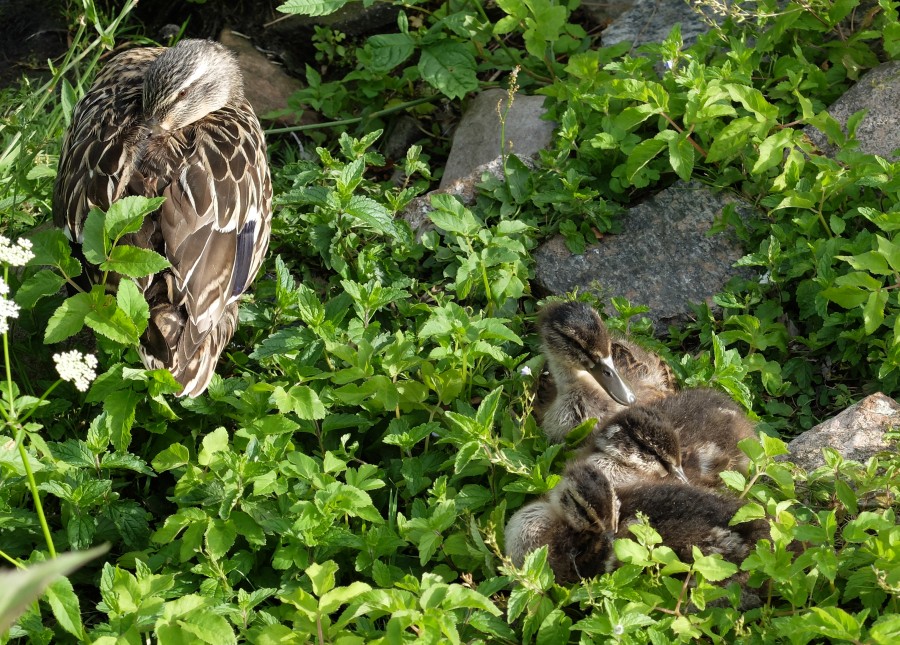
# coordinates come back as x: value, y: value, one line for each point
x: 713, y: 567
x: 106, y: 318
x: 94, y: 245
x: 214, y: 442
x: 771, y: 151
x: 643, y: 153
x: 389, y: 50
x: 311, y: 7
x: 134, y: 262
x: 449, y: 67
x: 322, y: 576
x: 43, y: 283
x: 69, y: 318
x: 300, y: 399
x: 127, y: 215
x: 732, y: 140
x: 846, y: 297
x: 207, y: 627
x: 21, y: 587
x: 372, y: 214
x: 681, y: 156
x: 333, y: 599
x: 873, y: 311
x: 132, y: 302
x: 220, y: 537
x: 52, y: 248
x: 886, y: 630
x: 65, y: 607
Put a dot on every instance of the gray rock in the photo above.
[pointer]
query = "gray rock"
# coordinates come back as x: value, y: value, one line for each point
x: 650, y: 21
x: 604, y: 13
x: 857, y: 433
x: 663, y: 257
x: 878, y: 91
x: 477, y: 137
x: 464, y: 188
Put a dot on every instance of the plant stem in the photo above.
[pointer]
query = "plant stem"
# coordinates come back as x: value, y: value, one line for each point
x: 13, y: 561
x: 32, y: 485
x: 359, y: 119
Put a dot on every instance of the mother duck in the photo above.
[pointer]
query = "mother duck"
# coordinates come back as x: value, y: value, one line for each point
x: 175, y: 123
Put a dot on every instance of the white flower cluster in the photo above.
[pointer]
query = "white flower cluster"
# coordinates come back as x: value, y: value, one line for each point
x: 15, y: 255
x: 76, y: 367
x: 8, y: 309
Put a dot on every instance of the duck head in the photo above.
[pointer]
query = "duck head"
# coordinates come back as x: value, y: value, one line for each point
x: 576, y: 339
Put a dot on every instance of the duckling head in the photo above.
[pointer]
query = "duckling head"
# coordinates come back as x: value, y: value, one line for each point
x: 576, y: 340
x: 586, y: 499
x: 643, y: 440
x: 187, y: 82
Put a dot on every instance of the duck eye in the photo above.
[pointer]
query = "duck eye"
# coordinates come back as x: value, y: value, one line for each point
x: 182, y: 93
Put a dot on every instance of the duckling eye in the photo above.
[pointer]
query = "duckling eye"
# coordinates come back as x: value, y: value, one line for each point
x: 182, y: 93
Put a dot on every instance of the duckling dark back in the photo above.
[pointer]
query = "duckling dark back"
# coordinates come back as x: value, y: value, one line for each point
x: 709, y: 426
x: 686, y: 517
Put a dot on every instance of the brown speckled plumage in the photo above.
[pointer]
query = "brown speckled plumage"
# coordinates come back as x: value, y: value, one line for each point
x: 174, y: 123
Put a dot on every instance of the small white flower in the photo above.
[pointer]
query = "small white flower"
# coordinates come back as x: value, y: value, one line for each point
x: 8, y: 309
x: 76, y: 367
x: 618, y: 629
x: 4, y: 288
x: 16, y: 255
x: 669, y: 64
x: 525, y: 370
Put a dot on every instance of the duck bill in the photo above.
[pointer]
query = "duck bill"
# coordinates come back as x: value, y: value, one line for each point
x: 678, y: 471
x: 608, y: 377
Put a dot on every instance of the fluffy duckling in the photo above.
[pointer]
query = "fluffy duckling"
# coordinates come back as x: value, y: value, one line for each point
x: 594, y: 373
x: 710, y: 425
x: 638, y: 444
x: 579, y: 522
x: 691, y: 435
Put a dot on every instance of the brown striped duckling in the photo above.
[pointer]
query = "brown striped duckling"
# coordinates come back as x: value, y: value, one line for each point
x: 581, y: 547
x: 691, y: 435
x: 595, y: 374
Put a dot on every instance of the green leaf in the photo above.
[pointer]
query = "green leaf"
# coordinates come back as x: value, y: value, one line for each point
x: 846, y: 297
x: 43, y: 283
x: 372, y: 214
x: 643, y: 153
x: 51, y: 248
x: 771, y: 151
x: 132, y: 302
x: 69, y: 318
x: 220, y: 537
x: 388, y: 51
x: 207, y: 627
x: 886, y: 630
x: 21, y: 587
x: 713, y: 567
x: 873, y: 311
x: 127, y: 215
x: 64, y: 605
x: 449, y: 67
x: 450, y: 215
x: 134, y: 262
x: 333, y: 599
x: 322, y: 576
x: 94, y: 244
x: 300, y: 399
x: 106, y: 318
x: 731, y: 140
x: 311, y: 7
x: 681, y: 156
x: 174, y: 456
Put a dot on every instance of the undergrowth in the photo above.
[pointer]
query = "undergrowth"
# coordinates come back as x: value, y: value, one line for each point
x: 348, y: 474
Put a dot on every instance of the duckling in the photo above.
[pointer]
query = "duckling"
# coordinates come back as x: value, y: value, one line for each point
x: 579, y: 522
x: 576, y: 520
x: 585, y: 362
x: 710, y: 425
x: 692, y: 435
x: 638, y: 444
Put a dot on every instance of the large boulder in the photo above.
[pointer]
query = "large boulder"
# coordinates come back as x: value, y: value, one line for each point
x: 857, y: 433
x: 664, y: 256
x: 878, y: 92
x: 477, y: 138
x: 650, y: 21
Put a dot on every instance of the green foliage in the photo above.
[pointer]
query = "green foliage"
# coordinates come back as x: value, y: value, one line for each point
x: 348, y: 475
